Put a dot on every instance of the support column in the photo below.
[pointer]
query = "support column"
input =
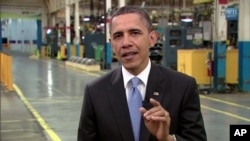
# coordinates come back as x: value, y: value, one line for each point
x: 219, y: 38
x: 67, y: 16
x: 44, y: 24
x: 77, y: 30
x: 121, y: 3
x: 108, y: 50
x: 53, y: 20
x: 184, y: 4
x: 244, y: 46
x: 39, y: 34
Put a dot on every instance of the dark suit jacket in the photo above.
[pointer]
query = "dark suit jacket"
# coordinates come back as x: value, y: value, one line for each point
x: 105, y: 114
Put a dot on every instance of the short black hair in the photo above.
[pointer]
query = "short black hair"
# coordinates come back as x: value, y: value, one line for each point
x: 132, y: 9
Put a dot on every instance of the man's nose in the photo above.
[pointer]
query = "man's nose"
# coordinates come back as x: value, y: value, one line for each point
x: 126, y: 42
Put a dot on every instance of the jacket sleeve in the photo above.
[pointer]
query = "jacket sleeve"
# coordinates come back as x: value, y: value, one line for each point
x: 191, y: 121
x: 87, y: 125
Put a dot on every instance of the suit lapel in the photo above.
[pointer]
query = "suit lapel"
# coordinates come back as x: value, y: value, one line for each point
x: 118, y: 102
x: 155, y: 86
x: 155, y: 89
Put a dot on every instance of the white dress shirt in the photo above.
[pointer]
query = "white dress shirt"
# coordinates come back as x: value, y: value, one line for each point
x: 143, y: 76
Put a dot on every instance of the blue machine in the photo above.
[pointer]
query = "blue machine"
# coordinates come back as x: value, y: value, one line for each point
x: 174, y: 40
x: 176, y: 37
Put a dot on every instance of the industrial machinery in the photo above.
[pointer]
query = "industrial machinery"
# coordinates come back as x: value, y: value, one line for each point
x: 156, y: 52
x: 91, y: 42
x: 52, y: 41
x: 174, y: 40
x: 177, y: 37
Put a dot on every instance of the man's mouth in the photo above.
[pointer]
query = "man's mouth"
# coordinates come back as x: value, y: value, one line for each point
x: 129, y: 55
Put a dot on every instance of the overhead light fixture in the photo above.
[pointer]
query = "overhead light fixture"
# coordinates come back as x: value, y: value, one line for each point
x: 187, y: 20
x: 49, y: 31
x: 102, y: 24
x: 86, y: 19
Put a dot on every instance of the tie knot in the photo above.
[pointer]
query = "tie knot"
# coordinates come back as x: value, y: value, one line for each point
x: 135, y: 81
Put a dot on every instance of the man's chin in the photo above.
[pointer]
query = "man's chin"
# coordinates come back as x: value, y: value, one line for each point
x: 130, y: 66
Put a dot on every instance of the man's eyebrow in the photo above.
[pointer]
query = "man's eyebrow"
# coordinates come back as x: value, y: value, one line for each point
x: 116, y: 33
x: 134, y: 29
x: 130, y: 30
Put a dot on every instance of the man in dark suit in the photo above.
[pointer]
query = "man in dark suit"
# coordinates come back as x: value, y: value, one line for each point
x: 170, y: 102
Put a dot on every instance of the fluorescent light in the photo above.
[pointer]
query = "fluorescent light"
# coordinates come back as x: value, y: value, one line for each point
x: 187, y: 20
x: 49, y: 31
x: 102, y: 24
x: 86, y: 19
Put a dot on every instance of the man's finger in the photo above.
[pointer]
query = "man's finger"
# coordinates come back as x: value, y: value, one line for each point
x: 154, y: 102
x: 143, y: 110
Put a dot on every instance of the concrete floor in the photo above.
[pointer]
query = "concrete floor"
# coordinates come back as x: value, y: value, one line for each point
x: 47, y: 101
x: 17, y: 122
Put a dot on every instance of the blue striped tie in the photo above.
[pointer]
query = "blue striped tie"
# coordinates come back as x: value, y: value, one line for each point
x: 134, y: 103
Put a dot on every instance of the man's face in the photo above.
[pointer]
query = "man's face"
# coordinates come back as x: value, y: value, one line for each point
x: 131, y: 40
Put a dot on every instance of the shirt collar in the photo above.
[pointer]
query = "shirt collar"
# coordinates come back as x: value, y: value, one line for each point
x: 143, y: 75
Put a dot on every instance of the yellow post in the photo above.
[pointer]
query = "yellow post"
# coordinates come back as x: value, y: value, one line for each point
x: 6, y: 70
x: 9, y: 73
x: 37, y: 53
x: 72, y: 50
x: 42, y: 51
x: 58, y: 55
x: 1, y: 67
x: 63, y: 51
x: 81, y: 50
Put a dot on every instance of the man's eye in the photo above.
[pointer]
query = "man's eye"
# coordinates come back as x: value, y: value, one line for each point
x: 135, y: 33
x: 117, y: 36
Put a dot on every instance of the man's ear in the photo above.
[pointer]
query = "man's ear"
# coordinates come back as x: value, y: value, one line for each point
x: 153, y: 37
x: 111, y: 45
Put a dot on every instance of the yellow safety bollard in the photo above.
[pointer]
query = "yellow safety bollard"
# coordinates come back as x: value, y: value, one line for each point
x: 6, y: 70
x: 1, y: 67
x: 63, y: 51
x: 82, y: 51
x: 37, y: 53
x: 43, y: 52
x: 58, y: 55
x: 9, y: 73
x: 72, y: 50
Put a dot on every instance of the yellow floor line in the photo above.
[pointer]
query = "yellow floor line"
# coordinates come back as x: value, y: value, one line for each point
x: 226, y: 113
x: 225, y: 102
x: 40, y: 120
